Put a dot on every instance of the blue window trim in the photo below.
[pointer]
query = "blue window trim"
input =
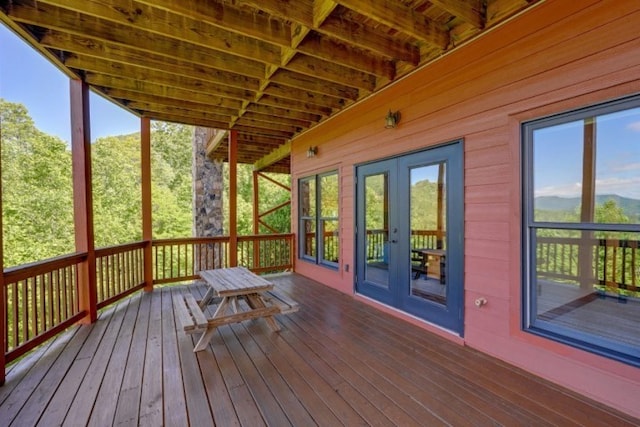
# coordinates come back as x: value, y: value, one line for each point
x: 530, y: 323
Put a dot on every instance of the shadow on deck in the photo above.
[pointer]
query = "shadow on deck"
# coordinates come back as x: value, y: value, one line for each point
x: 335, y: 362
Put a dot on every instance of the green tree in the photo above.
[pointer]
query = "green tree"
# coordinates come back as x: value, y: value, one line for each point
x: 36, y: 190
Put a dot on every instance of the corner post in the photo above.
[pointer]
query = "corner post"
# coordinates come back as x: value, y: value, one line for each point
x: 256, y: 218
x: 233, y: 198
x: 147, y: 224
x: 83, y: 198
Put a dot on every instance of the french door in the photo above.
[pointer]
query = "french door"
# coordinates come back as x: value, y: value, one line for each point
x: 409, y: 233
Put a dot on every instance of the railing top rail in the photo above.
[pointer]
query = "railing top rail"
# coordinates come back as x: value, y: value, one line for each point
x: 25, y: 271
x: 110, y: 250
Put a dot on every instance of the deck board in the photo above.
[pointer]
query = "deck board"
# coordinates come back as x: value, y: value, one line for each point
x: 335, y: 362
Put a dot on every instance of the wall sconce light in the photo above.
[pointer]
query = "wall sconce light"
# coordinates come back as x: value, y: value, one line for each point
x: 311, y: 152
x: 392, y: 119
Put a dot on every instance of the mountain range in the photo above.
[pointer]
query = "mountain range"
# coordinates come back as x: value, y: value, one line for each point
x: 631, y: 207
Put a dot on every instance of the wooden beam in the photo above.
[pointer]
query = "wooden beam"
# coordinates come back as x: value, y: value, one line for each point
x: 276, y: 155
x: 125, y: 17
x: 364, y: 37
x: 147, y: 206
x: 83, y: 198
x: 401, y: 18
x: 283, y: 91
x: 256, y: 210
x: 290, y: 104
x: 252, y: 115
x: 315, y: 67
x: 284, y: 112
x: 267, y: 126
x: 160, y: 72
x: 225, y: 105
x: 164, y: 81
x: 141, y: 51
x: 470, y: 11
x: 314, y: 84
x: 215, y: 141
x: 220, y: 14
x: 339, y: 52
x: 149, y: 88
x: 185, y: 120
x: 146, y: 108
x: 233, y: 199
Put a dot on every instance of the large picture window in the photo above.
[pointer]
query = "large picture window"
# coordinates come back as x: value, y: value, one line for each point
x: 582, y: 228
x: 319, y: 239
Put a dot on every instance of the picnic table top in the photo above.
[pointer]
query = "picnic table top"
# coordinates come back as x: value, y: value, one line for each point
x: 235, y: 281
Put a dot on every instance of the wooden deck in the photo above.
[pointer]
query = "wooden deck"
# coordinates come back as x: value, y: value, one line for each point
x: 335, y: 362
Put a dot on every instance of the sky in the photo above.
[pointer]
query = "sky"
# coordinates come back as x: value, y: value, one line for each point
x: 558, y: 157
x: 28, y: 78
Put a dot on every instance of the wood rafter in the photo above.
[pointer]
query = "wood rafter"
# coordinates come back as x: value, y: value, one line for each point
x: 268, y: 69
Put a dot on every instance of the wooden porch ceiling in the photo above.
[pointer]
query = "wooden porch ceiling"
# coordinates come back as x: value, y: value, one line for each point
x: 269, y: 69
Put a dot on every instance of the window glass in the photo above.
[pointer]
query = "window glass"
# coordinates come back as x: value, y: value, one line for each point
x: 582, y: 276
x: 318, y: 199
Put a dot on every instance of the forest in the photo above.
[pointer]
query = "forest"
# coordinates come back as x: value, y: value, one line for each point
x: 37, y: 197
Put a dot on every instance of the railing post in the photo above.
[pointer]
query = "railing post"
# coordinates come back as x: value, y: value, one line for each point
x: 83, y: 198
x: 233, y: 198
x: 147, y: 225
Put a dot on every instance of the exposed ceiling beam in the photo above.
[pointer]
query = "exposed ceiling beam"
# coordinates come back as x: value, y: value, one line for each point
x: 278, y: 154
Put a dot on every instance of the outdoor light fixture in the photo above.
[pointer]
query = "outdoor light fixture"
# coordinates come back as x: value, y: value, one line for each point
x: 392, y: 119
x: 311, y: 152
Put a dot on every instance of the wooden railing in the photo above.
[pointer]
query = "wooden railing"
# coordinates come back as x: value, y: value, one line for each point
x: 613, y: 264
x: 41, y: 299
x: 119, y: 272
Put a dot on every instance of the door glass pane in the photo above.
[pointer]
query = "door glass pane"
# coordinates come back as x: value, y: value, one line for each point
x: 307, y: 216
x: 428, y: 195
x: 376, y: 220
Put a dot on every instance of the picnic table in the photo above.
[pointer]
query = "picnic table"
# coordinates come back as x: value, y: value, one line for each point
x: 230, y: 286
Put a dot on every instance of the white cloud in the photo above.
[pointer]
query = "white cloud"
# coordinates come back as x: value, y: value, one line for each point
x: 567, y: 190
x: 634, y: 126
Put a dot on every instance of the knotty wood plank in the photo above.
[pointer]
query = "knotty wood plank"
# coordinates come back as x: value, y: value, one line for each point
x: 286, y: 397
x: 175, y: 407
x: 151, y: 395
x: 105, y: 404
x: 82, y: 405
x: 37, y: 402
x: 271, y: 411
x: 195, y: 395
x: 314, y: 393
x: 30, y: 383
x: 128, y: 405
x: 58, y: 406
x: 385, y: 395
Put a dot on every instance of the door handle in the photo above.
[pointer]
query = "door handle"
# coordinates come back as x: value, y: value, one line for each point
x: 394, y: 241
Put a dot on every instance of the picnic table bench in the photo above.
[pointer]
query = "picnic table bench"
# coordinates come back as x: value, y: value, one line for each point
x: 229, y: 286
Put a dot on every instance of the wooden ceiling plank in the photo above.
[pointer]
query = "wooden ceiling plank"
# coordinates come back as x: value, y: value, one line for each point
x: 359, y: 35
x: 292, y: 93
x: 402, y: 18
x: 215, y: 142
x: 143, y: 107
x: 321, y: 10
x: 276, y: 119
x: 178, y: 82
x: 314, y: 67
x: 332, y: 51
x: 470, y: 11
x: 246, y: 121
x: 124, y: 15
x: 224, y: 105
x: 140, y: 51
x: 302, y: 81
x: 261, y: 131
x: 222, y: 15
x: 164, y: 117
x: 283, y: 112
x: 108, y: 66
x: 297, y: 105
x: 112, y: 82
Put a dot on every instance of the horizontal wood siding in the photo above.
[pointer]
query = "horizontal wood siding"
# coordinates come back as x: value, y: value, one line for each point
x: 557, y: 56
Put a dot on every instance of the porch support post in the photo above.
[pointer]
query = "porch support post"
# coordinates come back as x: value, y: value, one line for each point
x: 233, y: 198
x: 3, y: 298
x: 83, y: 198
x: 147, y: 227
x: 588, y: 201
x: 256, y: 218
